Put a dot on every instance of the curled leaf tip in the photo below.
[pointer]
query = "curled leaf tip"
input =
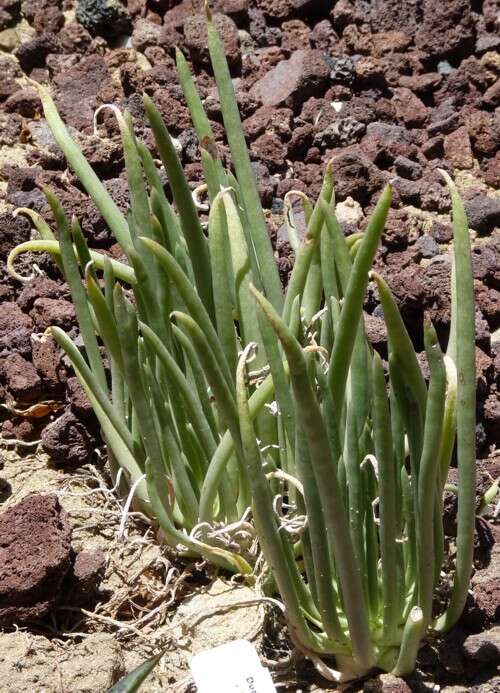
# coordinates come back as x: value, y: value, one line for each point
x: 208, y: 11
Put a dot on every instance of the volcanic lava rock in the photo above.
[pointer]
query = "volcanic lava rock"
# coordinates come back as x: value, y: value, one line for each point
x: 15, y: 330
x: 195, y: 38
x: 34, y: 53
x: 20, y: 378
x: 84, y: 578
x: 107, y: 18
x: 67, y: 441
x: 35, y: 555
x: 13, y: 231
x: 447, y: 28
x: 483, y: 213
x: 483, y: 647
x: 292, y: 81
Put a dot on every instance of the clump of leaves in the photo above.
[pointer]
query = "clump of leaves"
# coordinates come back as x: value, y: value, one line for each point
x: 341, y: 459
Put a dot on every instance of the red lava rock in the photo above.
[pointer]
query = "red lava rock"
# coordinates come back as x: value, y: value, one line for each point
x: 195, y: 38
x: 46, y: 357
x: 49, y: 19
x: 484, y: 131
x: 383, y: 142
x: 40, y: 287
x: 386, y: 683
x: 421, y: 84
x: 323, y: 36
x: 33, y: 53
x: 458, y: 150
x: 269, y: 119
x: 26, y: 102
x: 491, y: 97
x: 281, y: 9
x: 446, y: 28
x: 77, y: 90
x: 483, y: 647
x: 408, y: 108
x: 269, y: 149
x: 85, y: 576
x: 35, y: 554
x: 20, y: 378
x: 145, y: 34
x: 390, y: 15
x: 13, y: 231
x: 293, y: 80
x: 78, y: 401
x: 15, y: 329
x: 491, y: 171
x: 52, y: 311
x: 491, y: 414
x: 296, y: 35
x: 74, y: 38
x: 355, y: 175
x: 19, y: 428
x: 67, y: 440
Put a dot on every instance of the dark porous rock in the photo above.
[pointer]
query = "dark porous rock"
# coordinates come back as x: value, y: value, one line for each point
x: 386, y: 683
x: 77, y: 90
x: 15, y: 330
x: 483, y: 213
x: 491, y: 171
x: 483, y: 647
x: 407, y: 168
x: 9, y: 12
x: 49, y: 19
x: 8, y: 87
x: 11, y: 125
x: 77, y: 398
x: 67, y: 441
x: 433, y: 148
x: 341, y: 70
x: 85, y: 576
x: 195, y: 38
x: 21, y: 380
x: 458, y: 150
x: 355, y: 175
x: 447, y: 28
x: 33, y: 53
x: 26, y: 102
x: 46, y: 357
x: 427, y: 246
x: 35, y: 555
x: 292, y: 81
x: 491, y: 414
x: 342, y: 132
x: 52, y: 311
x: 107, y: 18
x: 384, y: 142
x: 13, y: 231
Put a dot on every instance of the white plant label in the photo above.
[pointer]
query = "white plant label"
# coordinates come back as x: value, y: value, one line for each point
x: 231, y: 668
